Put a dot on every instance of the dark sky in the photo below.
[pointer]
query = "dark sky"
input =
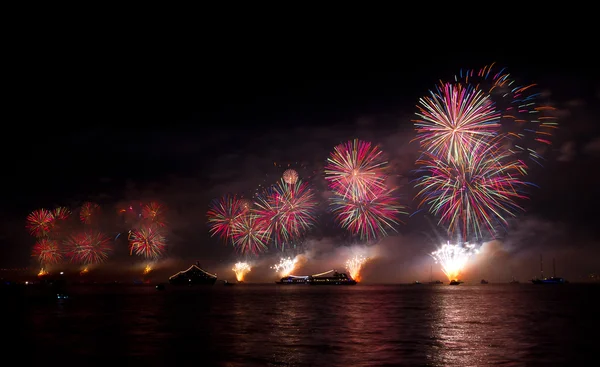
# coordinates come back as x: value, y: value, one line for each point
x: 185, y: 124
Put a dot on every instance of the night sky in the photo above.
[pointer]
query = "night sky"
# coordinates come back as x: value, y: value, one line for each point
x: 184, y: 127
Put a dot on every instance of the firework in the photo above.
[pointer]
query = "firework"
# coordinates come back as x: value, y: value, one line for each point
x: 454, y: 258
x: 88, y: 247
x: 61, y: 213
x: 355, y: 170
x: 246, y: 205
x: 43, y: 272
x: 527, y: 125
x: 147, y: 270
x: 241, y: 269
x: 40, y: 222
x: 290, y: 176
x: 147, y: 241
x: 223, y: 215
x: 285, y: 266
x: 370, y: 217
x: 88, y: 211
x: 154, y: 213
x: 250, y: 235
x: 287, y: 211
x: 47, y: 251
x: 474, y: 195
x: 354, y: 266
x: 454, y: 119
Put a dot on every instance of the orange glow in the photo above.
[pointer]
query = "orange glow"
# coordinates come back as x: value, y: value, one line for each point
x: 42, y: 272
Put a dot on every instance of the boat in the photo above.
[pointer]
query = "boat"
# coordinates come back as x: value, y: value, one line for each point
x: 228, y: 283
x: 455, y: 282
x: 551, y: 280
x: 318, y: 279
x: 435, y: 282
x: 194, y: 275
x: 335, y: 279
x: 294, y: 279
x: 483, y: 281
x: 416, y: 282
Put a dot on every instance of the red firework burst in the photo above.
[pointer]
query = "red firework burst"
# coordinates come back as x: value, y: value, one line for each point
x: 89, y: 247
x: 40, y: 222
x: 47, y: 251
x: 88, y: 212
x: 148, y: 242
x: 155, y: 213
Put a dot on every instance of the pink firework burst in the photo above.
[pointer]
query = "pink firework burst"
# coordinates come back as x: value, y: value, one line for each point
x: 40, y: 222
x: 89, y: 247
x: 148, y: 242
x: 355, y: 170
x: 47, y: 251
x: 223, y: 214
x: 454, y: 118
x: 287, y: 210
x: 250, y: 234
x: 371, y: 217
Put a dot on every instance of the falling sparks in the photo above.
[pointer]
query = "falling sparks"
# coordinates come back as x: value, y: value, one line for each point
x: 355, y: 265
x: 285, y: 266
x: 241, y: 269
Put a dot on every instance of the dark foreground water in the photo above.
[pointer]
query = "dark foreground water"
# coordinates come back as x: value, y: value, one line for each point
x: 269, y: 325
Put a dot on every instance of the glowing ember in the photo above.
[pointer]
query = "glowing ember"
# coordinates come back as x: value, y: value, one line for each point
x: 42, y: 272
x: 84, y: 271
x: 147, y: 269
x: 454, y: 258
x: 285, y: 266
x: 354, y: 266
x: 240, y: 270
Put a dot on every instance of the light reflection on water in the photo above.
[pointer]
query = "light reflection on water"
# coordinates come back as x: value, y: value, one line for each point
x: 258, y: 325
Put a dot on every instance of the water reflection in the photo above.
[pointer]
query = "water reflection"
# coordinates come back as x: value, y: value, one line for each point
x: 313, y: 326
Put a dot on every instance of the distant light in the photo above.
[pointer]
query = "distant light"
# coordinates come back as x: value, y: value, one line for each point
x: 62, y: 272
x: 26, y: 282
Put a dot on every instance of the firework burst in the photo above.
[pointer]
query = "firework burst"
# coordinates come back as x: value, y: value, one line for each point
x: 287, y: 211
x: 355, y: 169
x: 290, y: 176
x: 40, y: 222
x: 474, y: 195
x: 223, y: 215
x: 371, y: 217
x: 241, y: 269
x: 454, y: 119
x: 250, y: 235
x: 154, y: 213
x: 88, y: 247
x: 147, y: 241
x: 527, y: 125
x: 454, y: 258
x: 47, y: 251
x: 88, y: 212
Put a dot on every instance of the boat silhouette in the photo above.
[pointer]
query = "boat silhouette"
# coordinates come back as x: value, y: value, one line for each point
x: 551, y: 280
